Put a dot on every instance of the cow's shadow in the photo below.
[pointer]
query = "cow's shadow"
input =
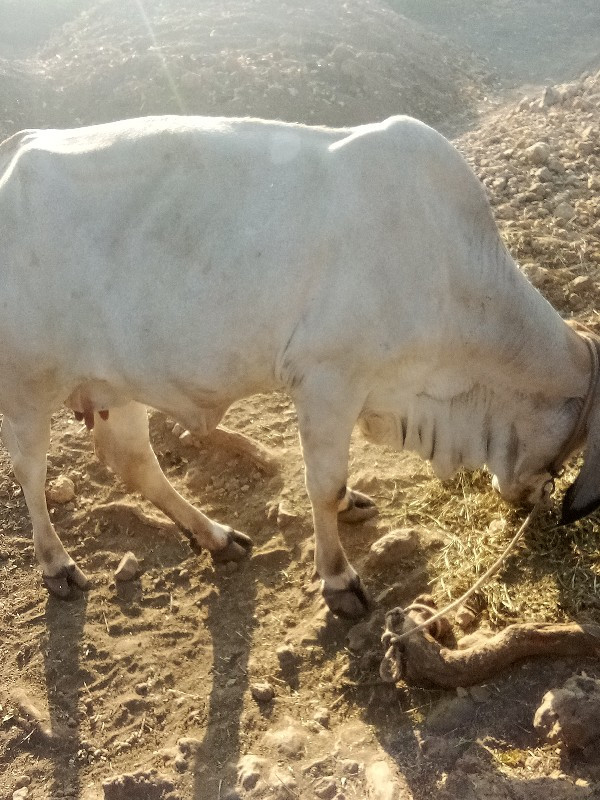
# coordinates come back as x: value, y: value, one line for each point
x: 65, y: 681
x: 216, y: 756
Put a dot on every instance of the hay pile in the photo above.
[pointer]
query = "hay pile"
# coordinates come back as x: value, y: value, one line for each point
x: 332, y: 63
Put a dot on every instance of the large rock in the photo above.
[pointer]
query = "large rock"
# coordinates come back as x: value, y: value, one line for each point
x: 538, y: 153
x: 61, y: 490
x: 393, y: 548
x: 571, y: 715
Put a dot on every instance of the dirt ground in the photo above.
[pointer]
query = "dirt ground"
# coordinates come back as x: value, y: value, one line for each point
x: 204, y: 682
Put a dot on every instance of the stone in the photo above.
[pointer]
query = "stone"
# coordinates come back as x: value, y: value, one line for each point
x: 325, y: 788
x: 249, y: 770
x: 564, y: 211
x: 551, y: 97
x: 289, y: 741
x: 451, y: 713
x: 323, y: 717
x: 556, y: 165
x: 285, y: 517
x: 187, y: 439
x: 180, y: 762
x: 288, y: 660
x: 582, y: 283
x: 538, y: 153
x: 320, y: 767
x: 262, y: 692
x: 383, y: 784
x: 189, y: 745
x: 393, y: 548
x: 128, y: 569
x: 585, y: 148
x: 22, y: 781
x: 20, y: 794
x: 593, y: 183
x: 571, y: 715
x: 61, y: 490
x: 544, y: 175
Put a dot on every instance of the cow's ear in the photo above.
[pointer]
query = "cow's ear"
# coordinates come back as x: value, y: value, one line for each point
x: 583, y: 496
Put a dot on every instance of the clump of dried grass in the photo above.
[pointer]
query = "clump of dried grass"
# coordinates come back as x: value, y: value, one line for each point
x: 552, y: 575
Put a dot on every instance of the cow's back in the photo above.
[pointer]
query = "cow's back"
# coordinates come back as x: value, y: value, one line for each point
x: 163, y: 240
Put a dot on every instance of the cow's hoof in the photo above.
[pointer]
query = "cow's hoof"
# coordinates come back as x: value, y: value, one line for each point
x: 350, y: 603
x: 60, y: 585
x: 360, y: 508
x: 238, y: 547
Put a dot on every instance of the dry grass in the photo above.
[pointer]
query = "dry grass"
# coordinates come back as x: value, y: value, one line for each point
x: 553, y: 574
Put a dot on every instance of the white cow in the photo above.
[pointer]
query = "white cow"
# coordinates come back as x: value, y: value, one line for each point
x: 185, y: 262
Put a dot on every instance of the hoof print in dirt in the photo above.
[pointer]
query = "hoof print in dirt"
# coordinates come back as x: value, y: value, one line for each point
x: 237, y: 548
x: 61, y: 584
x: 350, y: 603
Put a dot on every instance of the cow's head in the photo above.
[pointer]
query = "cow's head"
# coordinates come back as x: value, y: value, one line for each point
x: 577, y: 427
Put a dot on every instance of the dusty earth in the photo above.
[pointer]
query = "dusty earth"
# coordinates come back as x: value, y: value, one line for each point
x: 234, y: 682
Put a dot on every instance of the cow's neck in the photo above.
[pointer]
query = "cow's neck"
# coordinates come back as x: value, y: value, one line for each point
x: 474, y: 393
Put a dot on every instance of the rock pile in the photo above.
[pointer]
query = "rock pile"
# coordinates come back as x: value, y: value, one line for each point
x: 540, y: 162
x: 333, y: 63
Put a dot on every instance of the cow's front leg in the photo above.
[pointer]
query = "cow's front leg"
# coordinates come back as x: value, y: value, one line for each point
x: 27, y: 439
x: 122, y: 442
x: 326, y: 418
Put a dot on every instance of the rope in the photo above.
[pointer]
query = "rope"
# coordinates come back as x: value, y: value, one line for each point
x: 392, y: 663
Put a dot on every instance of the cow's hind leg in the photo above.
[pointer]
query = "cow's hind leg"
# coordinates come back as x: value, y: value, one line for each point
x: 27, y: 440
x: 326, y: 417
x: 122, y: 442
x: 356, y: 507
